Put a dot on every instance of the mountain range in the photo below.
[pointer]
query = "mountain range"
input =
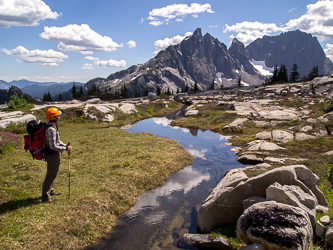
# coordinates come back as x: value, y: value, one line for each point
x: 203, y: 60
x: 37, y: 89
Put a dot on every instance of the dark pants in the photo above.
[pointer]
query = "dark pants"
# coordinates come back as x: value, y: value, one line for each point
x: 53, y: 163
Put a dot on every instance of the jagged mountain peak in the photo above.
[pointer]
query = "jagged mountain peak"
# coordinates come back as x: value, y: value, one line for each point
x: 203, y: 59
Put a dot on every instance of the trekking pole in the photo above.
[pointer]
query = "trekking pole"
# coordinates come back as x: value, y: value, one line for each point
x: 69, y: 171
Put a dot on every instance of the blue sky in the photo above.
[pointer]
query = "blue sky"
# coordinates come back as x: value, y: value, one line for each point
x: 78, y: 40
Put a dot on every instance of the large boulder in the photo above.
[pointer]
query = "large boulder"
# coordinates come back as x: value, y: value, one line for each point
x: 225, y: 203
x: 207, y: 241
x: 293, y: 196
x: 276, y: 226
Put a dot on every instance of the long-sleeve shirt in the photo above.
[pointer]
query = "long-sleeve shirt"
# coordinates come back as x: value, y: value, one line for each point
x: 53, y: 139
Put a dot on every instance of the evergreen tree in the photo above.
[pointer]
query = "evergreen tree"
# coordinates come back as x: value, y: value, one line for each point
x: 146, y: 92
x: 81, y: 93
x: 314, y: 73
x: 294, y: 74
x: 47, y: 97
x: 124, y: 93
x: 168, y: 92
x: 186, y: 88
x: 196, y: 88
x: 274, y: 77
x: 283, y: 74
x: 239, y: 82
x: 137, y: 93
x: 74, y: 90
x: 212, y: 85
x: 158, y: 90
x: 60, y: 97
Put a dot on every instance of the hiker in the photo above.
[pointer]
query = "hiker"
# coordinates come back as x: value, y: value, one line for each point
x: 54, y: 148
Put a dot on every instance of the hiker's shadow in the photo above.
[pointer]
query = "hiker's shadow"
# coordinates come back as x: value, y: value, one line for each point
x: 13, y: 205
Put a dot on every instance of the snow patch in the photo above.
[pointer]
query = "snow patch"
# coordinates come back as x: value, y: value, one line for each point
x: 116, y: 80
x: 262, y: 68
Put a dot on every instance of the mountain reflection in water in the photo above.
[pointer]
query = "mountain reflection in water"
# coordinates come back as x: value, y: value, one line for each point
x: 162, y: 215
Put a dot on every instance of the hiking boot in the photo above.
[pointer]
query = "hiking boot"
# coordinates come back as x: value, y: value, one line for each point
x: 55, y: 193
x: 49, y: 200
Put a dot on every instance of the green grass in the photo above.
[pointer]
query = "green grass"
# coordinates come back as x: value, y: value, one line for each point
x: 110, y: 169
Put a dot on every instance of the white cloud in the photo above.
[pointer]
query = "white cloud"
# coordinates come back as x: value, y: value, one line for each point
x: 178, y: 11
x: 166, y: 42
x: 24, y: 13
x: 87, y: 66
x: 131, y: 44
x: 329, y: 50
x: 79, y: 38
x: 110, y: 63
x: 291, y: 10
x: 42, y: 57
x: 91, y: 58
x: 318, y: 20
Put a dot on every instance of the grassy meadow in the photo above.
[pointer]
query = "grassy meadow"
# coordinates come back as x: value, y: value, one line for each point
x: 110, y: 169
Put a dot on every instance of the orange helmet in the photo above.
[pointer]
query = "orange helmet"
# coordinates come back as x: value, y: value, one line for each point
x: 52, y: 114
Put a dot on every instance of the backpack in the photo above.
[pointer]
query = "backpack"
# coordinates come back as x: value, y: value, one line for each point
x: 35, y: 141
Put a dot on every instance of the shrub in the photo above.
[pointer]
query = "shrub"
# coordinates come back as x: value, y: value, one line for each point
x: 16, y: 103
x: 8, y: 141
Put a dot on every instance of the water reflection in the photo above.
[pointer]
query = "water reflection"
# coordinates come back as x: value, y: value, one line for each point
x: 162, y: 215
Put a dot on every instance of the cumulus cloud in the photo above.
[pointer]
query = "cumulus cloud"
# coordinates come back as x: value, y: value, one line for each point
x: 131, y: 44
x: 178, y: 11
x: 79, y: 38
x: 87, y: 66
x: 318, y: 20
x: 110, y: 63
x: 24, y: 13
x: 329, y: 50
x: 166, y: 42
x: 42, y: 57
x: 103, y: 63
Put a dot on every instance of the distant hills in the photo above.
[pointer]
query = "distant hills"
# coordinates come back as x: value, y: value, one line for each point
x: 37, y: 89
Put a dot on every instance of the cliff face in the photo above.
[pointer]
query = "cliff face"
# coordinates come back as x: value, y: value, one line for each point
x: 289, y: 48
x: 204, y: 59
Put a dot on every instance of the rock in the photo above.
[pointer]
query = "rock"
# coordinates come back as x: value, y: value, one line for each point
x: 273, y: 160
x: 252, y: 200
x: 329, y: 236
x: 282, y: 136
x: 151, y: 95
x: 225, y: 203
x: 303, y: 136
x: 213, y: 242
x: 94, y: 101
x: 320, y: 230
x: 328, y: 153
x: 128, y: 108
x: 229, y: 106
x: 261, y: 124
x: 191, y: 112
x: 236, y: 124
x: 325, y: 220
x: 249, y: 159
x: 262, y: 145
x: 108, y: 118
x: 264, y: 135
x: 255, y: 246
x: 17, y: 120
x: 293, y: 196
x: 276, y: 226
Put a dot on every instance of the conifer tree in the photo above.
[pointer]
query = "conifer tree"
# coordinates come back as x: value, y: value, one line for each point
x: 212, y: 85
x: 74, y: 90
x: 60, y: 97
x: 196, y: 88
x: 239, y: 82
x: 158, y: 90
x: 274, y: 77
x: 283, y: 74
x: 294, y: 74
x: 314, y: 73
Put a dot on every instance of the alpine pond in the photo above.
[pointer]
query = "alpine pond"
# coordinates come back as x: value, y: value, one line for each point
x: 161, y: 216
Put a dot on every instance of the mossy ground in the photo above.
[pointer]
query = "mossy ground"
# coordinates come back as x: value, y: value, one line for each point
x: 110, y: 169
